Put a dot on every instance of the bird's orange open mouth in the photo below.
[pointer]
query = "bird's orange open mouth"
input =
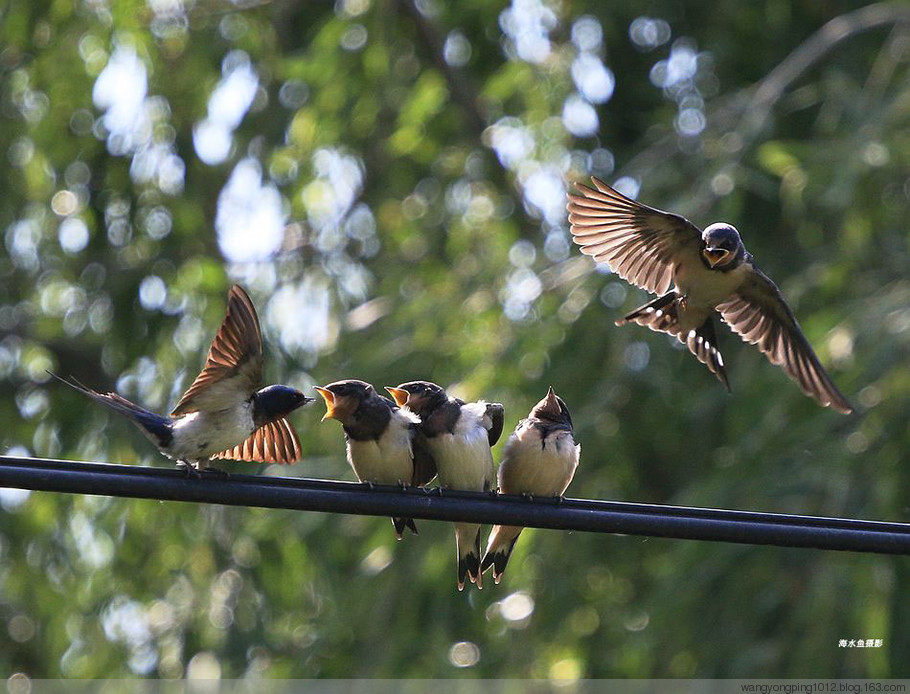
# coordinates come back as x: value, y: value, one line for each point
x: 400, y: 396
x: 329, y: 398
x: 715, y: 256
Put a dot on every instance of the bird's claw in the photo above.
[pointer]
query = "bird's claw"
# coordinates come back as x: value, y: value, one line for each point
x: 189, y: 470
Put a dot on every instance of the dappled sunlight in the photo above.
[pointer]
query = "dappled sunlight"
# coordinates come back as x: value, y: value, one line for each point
x: 228, y: 104
x: 251, y: 217
x: 388, y: 182
x: 301, y: 317
x: 137, y: 124
x: 528, y: 24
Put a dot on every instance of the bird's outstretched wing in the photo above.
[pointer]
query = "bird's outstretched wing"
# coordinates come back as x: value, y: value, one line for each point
x: 759, y: 314
x: 275, y: 442
x: 640, y: 244
x: 233, y: 369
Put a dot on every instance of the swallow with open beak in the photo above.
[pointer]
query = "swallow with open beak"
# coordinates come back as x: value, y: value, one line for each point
x: 539, y: 459
x: 225, y: 414
x: 711, y: 272
x: 380, y: 438
x: 458, y: 435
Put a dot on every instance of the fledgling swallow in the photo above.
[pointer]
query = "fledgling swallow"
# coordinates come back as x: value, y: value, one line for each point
x: 458, y: 435
x: 225, y: 413
x: 379, y: 439
x: 711, y: 271
x: 539, y: 459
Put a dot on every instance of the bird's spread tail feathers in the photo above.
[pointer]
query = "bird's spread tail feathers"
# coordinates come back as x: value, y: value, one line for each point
x: 467, y: 546
x: 402, y: 523
x: 661, y: 315
x: 499, y: 549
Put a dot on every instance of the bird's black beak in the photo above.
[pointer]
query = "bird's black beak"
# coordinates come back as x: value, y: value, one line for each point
x: 715, y: 256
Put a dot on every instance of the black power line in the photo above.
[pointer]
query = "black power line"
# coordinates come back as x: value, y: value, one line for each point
x: 655, y: 520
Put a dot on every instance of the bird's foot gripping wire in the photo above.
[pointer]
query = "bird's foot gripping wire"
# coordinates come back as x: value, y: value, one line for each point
x: 190, y: 471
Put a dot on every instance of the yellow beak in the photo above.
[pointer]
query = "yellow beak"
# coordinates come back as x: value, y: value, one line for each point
x: 400, y: 396
x: 329, y: 398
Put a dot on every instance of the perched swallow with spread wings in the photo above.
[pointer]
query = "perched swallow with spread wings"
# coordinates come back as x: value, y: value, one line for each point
x: 380, y: 438
x: 458, y: 435
x: 539, y: 459
x: 711, y: 272
x: 225, y: 413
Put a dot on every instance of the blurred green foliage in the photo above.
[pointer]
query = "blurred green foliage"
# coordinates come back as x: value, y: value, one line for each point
x: 388, y: 180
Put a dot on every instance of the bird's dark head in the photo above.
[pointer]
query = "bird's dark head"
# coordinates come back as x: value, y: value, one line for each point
x: 421, y: 397
x: 274, y: 402
x: 724, y: 248
x: 342, y: 398
x: 552, y: 408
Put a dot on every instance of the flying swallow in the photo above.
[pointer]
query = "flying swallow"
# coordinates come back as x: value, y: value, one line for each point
x: 458, y: 435
x: 225, y: 413
x: 380, y: 439
x: 711, y: 272
x: 539, y: 459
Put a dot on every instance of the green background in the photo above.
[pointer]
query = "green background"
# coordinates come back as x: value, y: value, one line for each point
x: 415, y: 151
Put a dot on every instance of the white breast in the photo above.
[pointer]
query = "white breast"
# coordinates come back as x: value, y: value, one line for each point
x: 704, y: 290
x: 463, y: 458
x: 706, y: 287
x: 389, y: 459
x: 199, y: 435
x: 541, y: 470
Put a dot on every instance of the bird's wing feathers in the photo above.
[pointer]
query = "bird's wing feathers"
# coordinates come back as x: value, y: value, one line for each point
x: 233, y: 369
x: 640, y: 244
x: 497, y: 414
x: 759, y: 314
x: 275, y: 442
x: 424, y: 462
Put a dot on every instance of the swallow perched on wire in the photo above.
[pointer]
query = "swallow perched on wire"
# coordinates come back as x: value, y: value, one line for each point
x: 225, y: 413
x: 458, y: 435
x: 539, y: 459
x: 712, y: 272
x: 380, y: 439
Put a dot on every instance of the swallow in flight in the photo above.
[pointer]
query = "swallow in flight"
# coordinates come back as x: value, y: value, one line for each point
x: 711, y: 272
